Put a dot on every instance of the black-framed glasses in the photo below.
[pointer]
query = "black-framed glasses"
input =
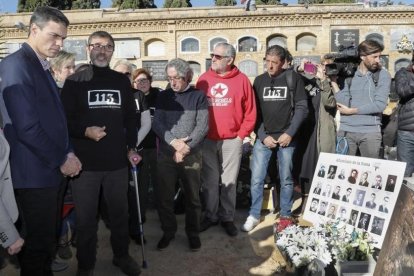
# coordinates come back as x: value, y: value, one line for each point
x: 99, y: 47
x: 218, y: 57
x: 141, y: 81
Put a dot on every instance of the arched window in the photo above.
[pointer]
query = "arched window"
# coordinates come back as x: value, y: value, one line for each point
x: 190, y: 45
x: 248, y: 67
x: 155, y: 48
x: 305, y: 42
x: 196, y: 68
x: 214, y: 41
x: 277, y: 40
x: 401, y: 63
x: 377, y: 37
x: 247, y: 44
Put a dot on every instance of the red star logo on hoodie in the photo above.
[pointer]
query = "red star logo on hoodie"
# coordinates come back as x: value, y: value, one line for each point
x: 219, y: 90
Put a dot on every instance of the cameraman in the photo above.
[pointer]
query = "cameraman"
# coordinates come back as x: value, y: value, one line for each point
x: 362, y: 100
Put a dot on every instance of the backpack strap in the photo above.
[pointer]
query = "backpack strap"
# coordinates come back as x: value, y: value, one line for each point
x: 291, y: 87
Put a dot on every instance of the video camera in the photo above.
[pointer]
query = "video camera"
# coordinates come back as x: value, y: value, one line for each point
x: 345, y: 62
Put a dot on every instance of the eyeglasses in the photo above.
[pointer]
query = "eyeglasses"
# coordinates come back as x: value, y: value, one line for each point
x: 99, y: 47
x: 141, y: 81
x: 218, y: 57
x: 171, y: 79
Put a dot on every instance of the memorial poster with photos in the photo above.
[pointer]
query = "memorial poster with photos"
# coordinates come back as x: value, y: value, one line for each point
x: 359, y: 191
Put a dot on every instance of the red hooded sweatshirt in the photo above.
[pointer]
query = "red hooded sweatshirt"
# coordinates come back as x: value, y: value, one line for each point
x: 231, y: 104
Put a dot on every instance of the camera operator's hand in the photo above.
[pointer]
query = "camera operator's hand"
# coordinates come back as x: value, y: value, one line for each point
x: 344, y: 110
x: 334, y: 83
x: 301, y: 67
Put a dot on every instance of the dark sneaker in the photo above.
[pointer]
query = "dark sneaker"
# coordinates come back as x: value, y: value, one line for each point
x: 230, y: 228
x: 195, y: 243
x: 58, y: 265
x: 206, y: 223
x: 127, y: 265
x: 83, y: 272
x: 164, y: 242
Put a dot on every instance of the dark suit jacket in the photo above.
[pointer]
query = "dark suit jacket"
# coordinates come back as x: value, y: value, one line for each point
x: 35, y: 123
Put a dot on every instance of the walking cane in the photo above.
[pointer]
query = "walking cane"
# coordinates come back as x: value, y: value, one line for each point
x: 141, y: 228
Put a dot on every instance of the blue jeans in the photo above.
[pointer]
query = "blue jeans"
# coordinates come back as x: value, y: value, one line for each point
x: 260, y: 161
x: 405, y: 150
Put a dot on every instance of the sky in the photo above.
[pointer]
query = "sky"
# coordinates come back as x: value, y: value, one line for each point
x: 11, y: 5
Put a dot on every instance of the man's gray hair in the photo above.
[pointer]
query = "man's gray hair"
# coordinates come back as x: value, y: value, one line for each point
x: 229, y: 50
x: 182, y: 67
x: 42, y: 15
x: 126, y: 63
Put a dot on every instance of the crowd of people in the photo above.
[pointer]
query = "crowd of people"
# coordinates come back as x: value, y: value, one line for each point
x: 74, y: 132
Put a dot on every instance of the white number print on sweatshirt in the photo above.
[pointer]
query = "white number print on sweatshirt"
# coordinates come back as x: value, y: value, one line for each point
x: 274, y: 93
x: 104, y: 99
x: 218, y: 95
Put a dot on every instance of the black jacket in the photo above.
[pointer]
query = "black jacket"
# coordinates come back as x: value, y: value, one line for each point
x: 404, y: 85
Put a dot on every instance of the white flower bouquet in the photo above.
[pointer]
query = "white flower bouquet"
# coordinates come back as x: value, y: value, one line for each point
x: 303, y: 245
x: 321, y: 244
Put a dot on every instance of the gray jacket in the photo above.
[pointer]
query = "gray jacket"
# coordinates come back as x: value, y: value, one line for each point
x: 8, y: 207
x: 370, y: 100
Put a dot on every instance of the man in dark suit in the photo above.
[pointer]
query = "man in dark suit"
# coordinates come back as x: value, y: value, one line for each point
x: 347, y: 196
x: 384, y: 206
x: 371, y: 204
x: 36, y: 129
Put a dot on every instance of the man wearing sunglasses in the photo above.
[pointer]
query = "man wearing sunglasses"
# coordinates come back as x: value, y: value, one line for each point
x: 100, y: 110
x: 232, y: 115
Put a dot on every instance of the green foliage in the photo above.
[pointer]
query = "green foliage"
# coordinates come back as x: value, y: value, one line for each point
x: 133, y: 4
x: 31, y: 5
x: 177, y: 4
x: 267, y: 2
x: 225, y: 2
x: 86, y: 4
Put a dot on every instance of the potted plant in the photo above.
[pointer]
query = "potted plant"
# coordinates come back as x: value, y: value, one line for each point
x: 352, y: 250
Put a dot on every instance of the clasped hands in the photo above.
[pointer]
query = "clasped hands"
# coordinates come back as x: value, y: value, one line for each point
x: 95, y: 133
x: 283, y: 141
x: 181, y: 149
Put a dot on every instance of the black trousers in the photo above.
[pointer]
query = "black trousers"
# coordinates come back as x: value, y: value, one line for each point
x: 38, y: 214
x: 168, y: 173
x: 86, y: 190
